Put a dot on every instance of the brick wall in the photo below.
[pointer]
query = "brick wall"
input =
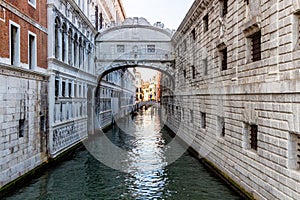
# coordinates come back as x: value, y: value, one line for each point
x: 29, y: 19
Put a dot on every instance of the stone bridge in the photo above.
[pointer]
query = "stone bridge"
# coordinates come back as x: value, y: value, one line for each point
x: 135, y: 43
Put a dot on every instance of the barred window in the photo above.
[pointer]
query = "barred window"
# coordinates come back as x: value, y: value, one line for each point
x: 223, y: 55
x: 250, y: 136
x: 120, y: 48
x: 193, y: 72
x: 224, y: 7
x: 256, y: 46
x: 253, y: 136
x: 191, y: 116
x: 151, y: 48
x: 205, y: 70
x: 294, y: 151
x: 205, y: 23
x: 203, y: 119
x: 193, y: 34
x: 221, y: 126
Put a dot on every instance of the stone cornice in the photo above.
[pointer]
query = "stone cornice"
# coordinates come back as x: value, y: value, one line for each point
x: 10, y: 70
x: 164, y: 31
x: 193, y: 14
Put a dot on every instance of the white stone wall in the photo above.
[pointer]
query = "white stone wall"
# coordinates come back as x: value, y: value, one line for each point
x: 263, y: 93
x: 23, y: 96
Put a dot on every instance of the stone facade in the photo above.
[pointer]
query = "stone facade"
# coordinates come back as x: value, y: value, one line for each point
x: 23, y: 88
x: 73, y: 26
x: 115, y: 97
x: 237, y: 91
x: 23, y: 121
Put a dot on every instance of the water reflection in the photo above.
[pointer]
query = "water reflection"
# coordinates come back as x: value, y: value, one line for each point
x: 146, y: 160
x: 147, y: 175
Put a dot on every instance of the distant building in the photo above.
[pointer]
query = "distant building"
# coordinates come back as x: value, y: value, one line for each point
x: 116, y: 95
x: 138, y: 86
x: 73, y: 26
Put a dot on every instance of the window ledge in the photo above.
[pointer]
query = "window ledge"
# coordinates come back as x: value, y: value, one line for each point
x: 252, y: 26
x: 296, y: 6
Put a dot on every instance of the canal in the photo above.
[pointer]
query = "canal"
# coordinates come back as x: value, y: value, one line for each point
x: 147, y: 174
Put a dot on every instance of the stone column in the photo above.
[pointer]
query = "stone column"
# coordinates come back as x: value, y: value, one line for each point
x: 66, y: 47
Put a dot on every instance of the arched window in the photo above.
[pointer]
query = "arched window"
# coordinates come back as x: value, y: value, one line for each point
x: 70, y: 46
x: 80, y: 52
x: 75, y: 49
x: 56, y: 39
x: 83, y: 54
x: 89, y: 58
x: 64, y: 49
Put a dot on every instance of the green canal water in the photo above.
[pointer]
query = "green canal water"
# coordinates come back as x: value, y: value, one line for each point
x: 148, y: 176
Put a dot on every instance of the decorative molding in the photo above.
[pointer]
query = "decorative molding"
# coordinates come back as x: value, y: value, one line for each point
x: 252, y: 26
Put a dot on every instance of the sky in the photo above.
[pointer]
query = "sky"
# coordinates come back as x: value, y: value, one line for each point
x: 169, y: 12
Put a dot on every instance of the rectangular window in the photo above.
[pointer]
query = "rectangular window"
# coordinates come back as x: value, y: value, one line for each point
x: 184, y: 45
x: 193, y: 72
x: 63, y: 91
x: 151, y: 48
x: 184, y: 73
x: 205, y: 70
x: 14, y: 44
x: 250, y: 136
x: 203, y: 119
x: 294, y: 151
x: 32, y: 51
x: 70, y: 89
x: 56, y: 88
x: 205, y: 23
x: 223, y: 7
x: 253, y: 136
x: 221, y: 126
x: 21, y: 127
x: 191, y: 116
x: 223, y: 56
x: 2, y: 13
x: 32, y: 3
x: 256, y: 46
x: 120, y: 48
x: 193, y: 34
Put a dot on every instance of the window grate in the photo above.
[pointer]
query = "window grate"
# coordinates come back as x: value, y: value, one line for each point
x: 256, y: 46
x: 253, y: 136
x: 205, y: 23
x: 151, y: 48
x: 203, y: 119
x: 224, y: 59
x: 224, y: 7
x: 193, y: 72
x: 205, y: 70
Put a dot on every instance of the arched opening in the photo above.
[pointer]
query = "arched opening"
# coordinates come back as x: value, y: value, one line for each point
x: 117, y: 94
x: 70, y: 46
x: 64, y: 42
x: 56, y: 37
x: 75, y: 50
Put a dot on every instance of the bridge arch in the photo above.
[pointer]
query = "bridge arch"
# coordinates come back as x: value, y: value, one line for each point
x: 135, y: 43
